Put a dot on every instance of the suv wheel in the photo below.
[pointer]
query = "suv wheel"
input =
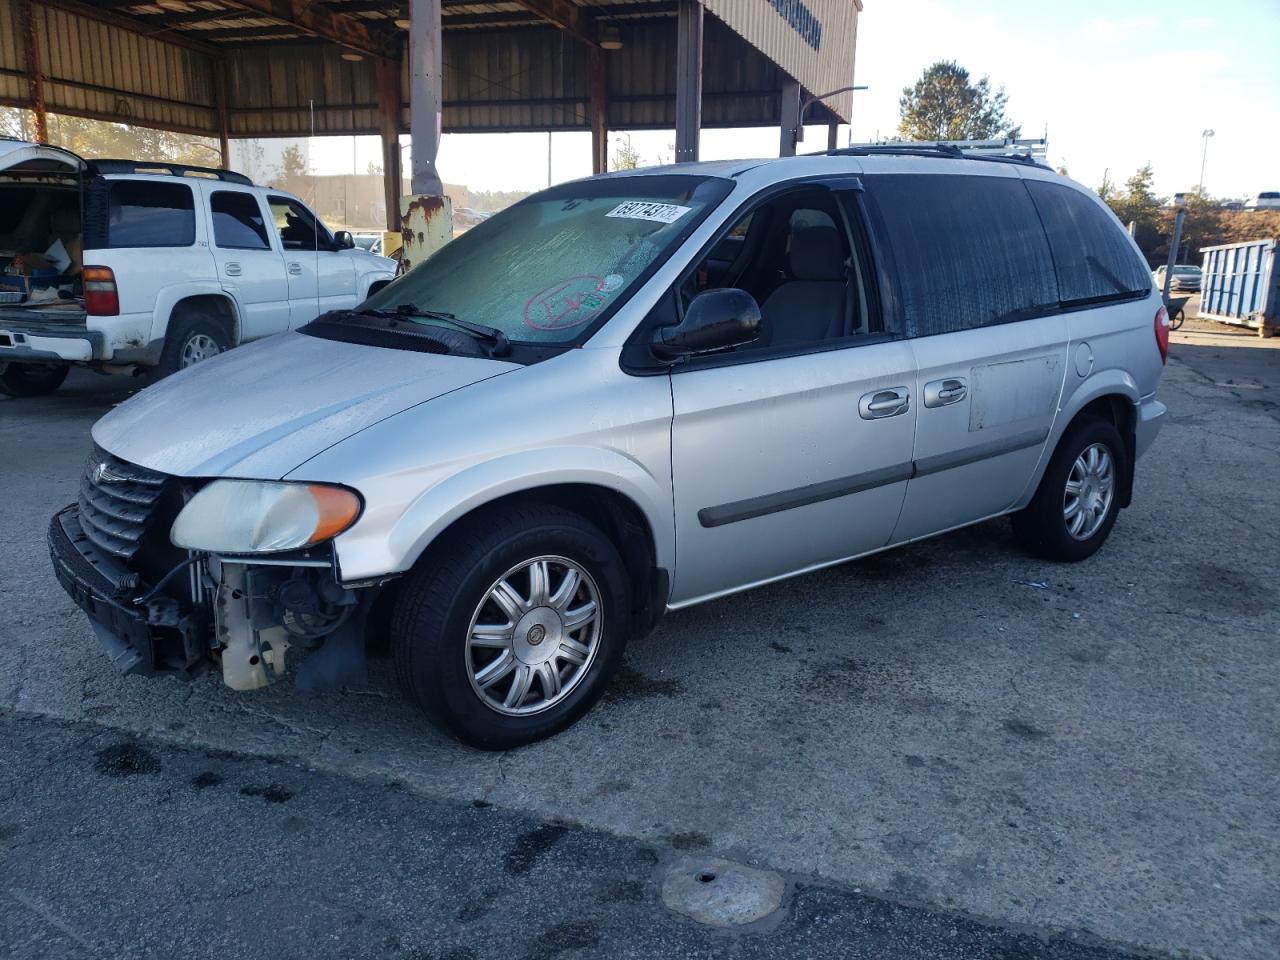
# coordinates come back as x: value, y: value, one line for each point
x: 191, y: 337
x: 1077, y: 502
x: 513, y: 630
x: 31, y: 379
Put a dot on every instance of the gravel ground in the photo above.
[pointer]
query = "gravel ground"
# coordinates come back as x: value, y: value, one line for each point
x: 1091, y: 748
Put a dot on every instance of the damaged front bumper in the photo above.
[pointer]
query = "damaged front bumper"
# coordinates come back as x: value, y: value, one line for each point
x: 239, y: 614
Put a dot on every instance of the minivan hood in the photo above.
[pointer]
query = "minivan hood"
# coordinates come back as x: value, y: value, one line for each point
x: 261, y: 410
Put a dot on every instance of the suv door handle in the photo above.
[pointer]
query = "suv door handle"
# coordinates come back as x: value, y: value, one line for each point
x: 939, y: 393
x: 295, y: 268
x: 232, y: 269
x: 884, y: 403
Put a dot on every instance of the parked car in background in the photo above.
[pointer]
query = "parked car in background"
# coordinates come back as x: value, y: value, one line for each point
x: 369, y: 242
x: 1186, y: 276
x: 128, y: 266
x: 1267, y: 200
x: 621, y: 396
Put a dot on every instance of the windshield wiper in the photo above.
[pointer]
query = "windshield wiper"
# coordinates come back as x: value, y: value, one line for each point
x: 501, y: 344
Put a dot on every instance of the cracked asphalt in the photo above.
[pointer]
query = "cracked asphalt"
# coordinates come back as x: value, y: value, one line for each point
x: 954, y: 729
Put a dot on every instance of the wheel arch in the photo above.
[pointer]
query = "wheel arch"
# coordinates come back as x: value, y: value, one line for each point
x: 1111, y: 395
x: 208, y: 298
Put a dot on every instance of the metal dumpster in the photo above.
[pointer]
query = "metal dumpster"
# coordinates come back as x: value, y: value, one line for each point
x: 1241, y: 285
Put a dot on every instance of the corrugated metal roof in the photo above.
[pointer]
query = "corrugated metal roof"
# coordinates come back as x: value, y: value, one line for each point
x: 505, y: 69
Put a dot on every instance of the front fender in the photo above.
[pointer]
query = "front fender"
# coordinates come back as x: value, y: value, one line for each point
x: 374, y: 552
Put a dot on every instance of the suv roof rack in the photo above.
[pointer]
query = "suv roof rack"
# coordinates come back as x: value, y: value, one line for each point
x: 997, y: 151
x: 167, y: 169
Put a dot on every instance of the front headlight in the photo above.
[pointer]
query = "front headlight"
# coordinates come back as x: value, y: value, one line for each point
x: 258, y: 516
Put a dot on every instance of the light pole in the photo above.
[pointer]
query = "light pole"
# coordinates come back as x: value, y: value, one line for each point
x: 797, y: 135
x: 1204, y: 155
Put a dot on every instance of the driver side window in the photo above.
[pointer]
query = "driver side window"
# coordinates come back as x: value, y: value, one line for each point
x: 794, y: 253
x: 298, y: 229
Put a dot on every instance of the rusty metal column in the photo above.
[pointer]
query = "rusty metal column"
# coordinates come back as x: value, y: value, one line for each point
x: 426, y: 220
x: 688, y: 79
x: 35, y: 73
x: 220, y: 109
x: 388, y: 79
x: 790, y: 118
x: 599, y: 108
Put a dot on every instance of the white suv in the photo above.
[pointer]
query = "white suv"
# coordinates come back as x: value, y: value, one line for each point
x: 123, y: 265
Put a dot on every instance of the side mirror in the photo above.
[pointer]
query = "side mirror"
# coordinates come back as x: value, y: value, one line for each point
x: 715, y: 320
x: 343, y: 240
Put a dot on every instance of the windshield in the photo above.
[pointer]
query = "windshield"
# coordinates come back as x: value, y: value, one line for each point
x: 552, y: 268
x: 1181, y: 269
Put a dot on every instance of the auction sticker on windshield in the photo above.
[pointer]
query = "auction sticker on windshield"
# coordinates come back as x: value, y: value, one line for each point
x: 644, y: 210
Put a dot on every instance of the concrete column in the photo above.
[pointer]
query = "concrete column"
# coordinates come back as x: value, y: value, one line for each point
x: 790, y: 118
x: 426, y: 217
x: 220, y: 109
x: 35, y: 72
x: 388, y: 79
x: 599, y: 107
x: 833, y: 131
x: 688, y: 79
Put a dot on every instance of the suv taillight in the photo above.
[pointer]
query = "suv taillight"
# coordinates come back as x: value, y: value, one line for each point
x: 1162, y: 333
x: 100, y: 296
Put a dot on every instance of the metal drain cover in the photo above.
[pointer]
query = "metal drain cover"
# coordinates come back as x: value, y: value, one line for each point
x: 722, y: 893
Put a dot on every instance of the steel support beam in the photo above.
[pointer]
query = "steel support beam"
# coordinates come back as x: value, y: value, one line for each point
x: 688, y: 79
x: 790, y: 118
x: 220, y: 110
x: 35, y: 71
x: 598, y: 110
x: 316, y: 19
x: 833, y: 131
x: 388, y: 77
x: 426, y: 79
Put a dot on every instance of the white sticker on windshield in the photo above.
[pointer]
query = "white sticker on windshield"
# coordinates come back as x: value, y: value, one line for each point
x: 643, y: 210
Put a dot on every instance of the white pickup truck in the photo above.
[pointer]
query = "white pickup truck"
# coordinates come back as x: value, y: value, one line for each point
x: 150, y: 267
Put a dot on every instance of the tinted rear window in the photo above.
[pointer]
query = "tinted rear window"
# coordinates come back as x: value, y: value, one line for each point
x: 1091, y: 251
x: 238, y: 222
x: 969, y: 251
x: 148, y: 213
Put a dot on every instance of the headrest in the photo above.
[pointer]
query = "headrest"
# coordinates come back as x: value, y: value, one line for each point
x: 816, y: 255
x: 65, y: 221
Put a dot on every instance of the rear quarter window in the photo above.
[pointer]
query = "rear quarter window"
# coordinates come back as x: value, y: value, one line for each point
x: 150, y: 213
x: 968, y: 250
x: 1091, y: 252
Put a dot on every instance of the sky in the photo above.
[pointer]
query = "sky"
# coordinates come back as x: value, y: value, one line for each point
x: 1116, y: 84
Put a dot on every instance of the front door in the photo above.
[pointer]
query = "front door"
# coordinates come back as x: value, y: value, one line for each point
x: 249, y: 265
x: 795, y: 451
x: 321, y: 278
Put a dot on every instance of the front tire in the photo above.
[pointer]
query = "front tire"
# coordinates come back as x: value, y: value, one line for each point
x: 511, y: 630
x: 31, y: 379
x: 1078, y: 499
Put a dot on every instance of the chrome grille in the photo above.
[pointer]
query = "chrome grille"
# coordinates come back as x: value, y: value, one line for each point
x: 116, y: 501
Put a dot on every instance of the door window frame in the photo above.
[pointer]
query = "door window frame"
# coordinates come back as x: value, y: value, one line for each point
x: 848, y: 196
x: 268, y: 221
x: 323, y: 235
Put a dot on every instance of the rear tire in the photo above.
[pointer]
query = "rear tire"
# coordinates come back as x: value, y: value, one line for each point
x: 31, y: 379
x: 192, y: 337
x: 1078, y: 499
x: 453, y: 625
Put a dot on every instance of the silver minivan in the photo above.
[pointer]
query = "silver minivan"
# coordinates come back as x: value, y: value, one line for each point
x: 621, y: 396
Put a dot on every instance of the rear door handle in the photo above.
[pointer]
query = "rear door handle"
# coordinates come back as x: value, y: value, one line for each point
x: 939, y: 393
x: 884, y: 403
x: 232, y: 269
x: 295, y: 269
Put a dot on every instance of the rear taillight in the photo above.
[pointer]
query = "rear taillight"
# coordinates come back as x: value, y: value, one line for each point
x: 101, y: 298
x: 1162, y: 333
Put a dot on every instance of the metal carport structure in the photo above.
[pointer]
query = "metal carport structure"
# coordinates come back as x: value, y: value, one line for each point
x: 255, y: 68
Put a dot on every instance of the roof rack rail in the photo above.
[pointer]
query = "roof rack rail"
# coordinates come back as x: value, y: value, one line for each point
x: 997, y: 151
x: 169, y: 169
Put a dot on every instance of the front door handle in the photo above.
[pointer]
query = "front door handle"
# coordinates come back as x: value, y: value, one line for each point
x: 232, y: 269
x: 884, y: 403
x: 295, y: 269
x: 939, y: 393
